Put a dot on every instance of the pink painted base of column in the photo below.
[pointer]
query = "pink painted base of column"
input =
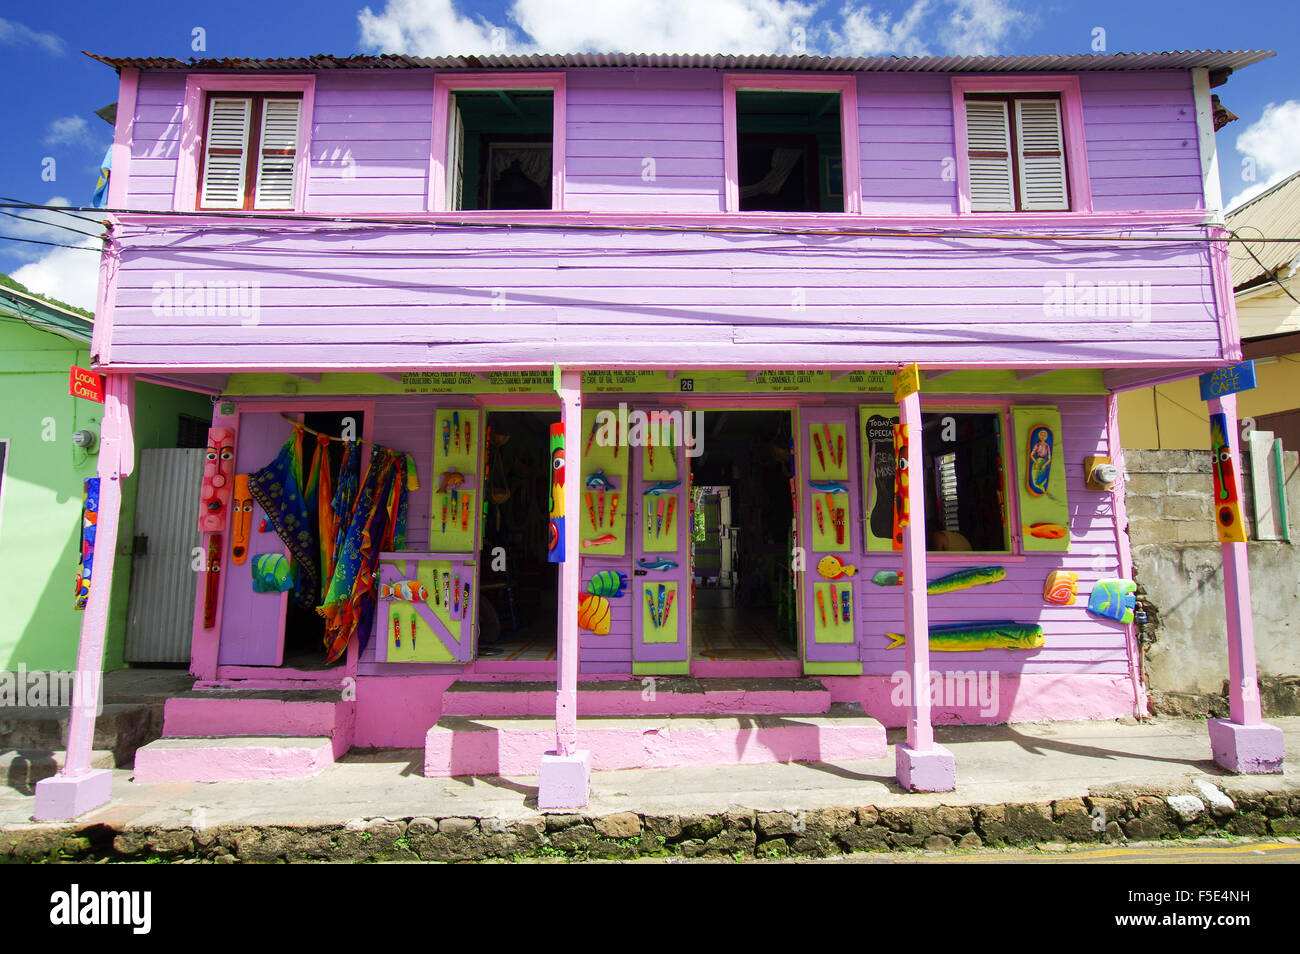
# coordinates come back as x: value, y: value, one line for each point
x: 564, y: 781
x: 60, y: 798
x: 931, y: 770
x: 1247, y: 749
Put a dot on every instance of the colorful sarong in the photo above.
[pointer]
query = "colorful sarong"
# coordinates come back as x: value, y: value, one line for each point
x: 290, y: 505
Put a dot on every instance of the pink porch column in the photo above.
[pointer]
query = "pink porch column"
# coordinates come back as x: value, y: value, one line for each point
x: 1243, y: 742
x: 565, y: 777
x: 920, y: 764
x: 77, y: 788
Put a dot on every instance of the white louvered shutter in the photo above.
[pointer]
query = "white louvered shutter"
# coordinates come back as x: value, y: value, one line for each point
x: 988, y: 145
x: 277, y: 154
x: 225, y: 153
x: 1041, y: 155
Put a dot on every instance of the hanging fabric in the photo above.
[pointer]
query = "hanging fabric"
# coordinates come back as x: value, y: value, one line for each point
x: 376, y: 523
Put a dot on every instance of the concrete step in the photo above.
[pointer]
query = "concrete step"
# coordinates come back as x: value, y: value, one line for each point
x: 464, y: 745
x: 663, y: 695
x: 121, y: 728
x: 232, y: 759
x: 306, y: 713
x: 21, y: 769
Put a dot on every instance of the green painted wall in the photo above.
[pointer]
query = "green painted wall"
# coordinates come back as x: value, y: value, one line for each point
x: 40, y: 497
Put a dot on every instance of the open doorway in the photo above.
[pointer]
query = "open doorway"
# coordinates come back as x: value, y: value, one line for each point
x: 741, y: 535
x: 520, y: 588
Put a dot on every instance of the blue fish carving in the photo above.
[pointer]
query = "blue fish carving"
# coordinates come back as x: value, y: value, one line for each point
x: 656, y: 565
x: 661, y: 486
x: 828, y: 486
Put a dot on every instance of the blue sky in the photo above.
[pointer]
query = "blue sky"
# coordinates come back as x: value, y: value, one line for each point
x: 52, y: 91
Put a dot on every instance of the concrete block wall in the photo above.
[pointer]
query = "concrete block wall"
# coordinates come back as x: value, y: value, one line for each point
x: 1178, y: 564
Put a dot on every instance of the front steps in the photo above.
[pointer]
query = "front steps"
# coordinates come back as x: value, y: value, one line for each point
x: 221, y: 735
x: 34, y: 739
x: 504, y: 728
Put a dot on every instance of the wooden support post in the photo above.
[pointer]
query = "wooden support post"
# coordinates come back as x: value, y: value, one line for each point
x: 1242, y: 743
x: 565, y: 777
x: 77, y: 788
x: 921, y: 765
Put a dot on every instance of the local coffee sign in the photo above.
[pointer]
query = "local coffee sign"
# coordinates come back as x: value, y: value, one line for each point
x: 86, y: 384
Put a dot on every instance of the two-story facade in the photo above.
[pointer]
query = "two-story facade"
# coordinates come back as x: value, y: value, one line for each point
x: 708, y: 269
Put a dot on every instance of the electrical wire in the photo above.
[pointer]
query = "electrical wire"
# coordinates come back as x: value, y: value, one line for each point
x: 14, y: 238
x: 53, y: 225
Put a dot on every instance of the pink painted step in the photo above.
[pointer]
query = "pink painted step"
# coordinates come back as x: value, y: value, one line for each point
x: 641, y: 697
x: 209, y: 713
x: 232, y: 759
x: 463, y: 745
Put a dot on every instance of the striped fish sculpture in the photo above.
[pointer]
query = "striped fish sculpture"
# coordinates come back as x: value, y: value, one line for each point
x: 950, y: 583
x: 1113, y: 599
x: 593, y: 614
x: 972, y: 637
x: 1061, y: 587
x: 607, y: 583
x: 411, y: 591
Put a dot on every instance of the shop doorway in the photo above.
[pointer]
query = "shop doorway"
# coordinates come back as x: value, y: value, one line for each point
x: 519, y: 587
x: 742, y: 535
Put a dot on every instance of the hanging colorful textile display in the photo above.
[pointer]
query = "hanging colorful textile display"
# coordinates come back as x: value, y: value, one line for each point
x: 376, y: 523
x: 290, y: 504
x: 89, y: 523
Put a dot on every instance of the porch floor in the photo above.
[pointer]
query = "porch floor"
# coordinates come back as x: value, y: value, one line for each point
x: 995, y: 765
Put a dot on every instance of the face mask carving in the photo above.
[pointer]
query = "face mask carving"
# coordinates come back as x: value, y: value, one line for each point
x: 1227, y: 504
x: 555, y: 530
x: 243, y: 520
x: 218, y: 479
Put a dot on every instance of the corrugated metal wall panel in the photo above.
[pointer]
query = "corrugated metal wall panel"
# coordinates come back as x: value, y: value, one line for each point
x: 161, y: 613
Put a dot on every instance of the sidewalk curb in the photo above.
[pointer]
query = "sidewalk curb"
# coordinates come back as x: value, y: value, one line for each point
x: 1110, y: 814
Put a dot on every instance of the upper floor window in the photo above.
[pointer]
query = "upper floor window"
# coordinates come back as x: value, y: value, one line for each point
x: 1016, y: 153
x: 789, y: 151
x: 1020, y: 144
x: 498, y: 142
x: 250, y: 151
x: 245, y: 141
x: 790, y: 143
x: 499, y: 149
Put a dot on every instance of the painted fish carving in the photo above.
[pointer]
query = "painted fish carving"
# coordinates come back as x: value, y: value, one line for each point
x: 412, y: 591
x: 600, y: 541
x: 949, y: 583
x: 657, y: 564
x: 1113, y: 599
x: 1061, y: 587
x: 593, y: 614
x: 1046, y: 531
x: 971, y: 637
x: 607, y: 583
x: 828, y: 486
x: 662, y: 486
x: 272, y: 573
x: 449, y: 481
x: 832, y: 568
x: 598, y: 481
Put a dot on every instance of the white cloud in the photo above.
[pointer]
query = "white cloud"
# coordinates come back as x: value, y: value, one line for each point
x: 69, y: 131
x: 67, y: 274
x: 1270, y: 149
x: 44, y: 225
x: 437, y: 27
x: 16, y: 34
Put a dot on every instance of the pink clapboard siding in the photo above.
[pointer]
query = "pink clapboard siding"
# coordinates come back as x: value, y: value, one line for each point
x: 652, y: 141
x: 1077, y: 642
x: 644, y: 140
x: 408, y: 297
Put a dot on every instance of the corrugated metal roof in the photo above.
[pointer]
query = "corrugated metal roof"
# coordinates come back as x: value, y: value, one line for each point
x: 1177, y: 59
x: 1272, y: 214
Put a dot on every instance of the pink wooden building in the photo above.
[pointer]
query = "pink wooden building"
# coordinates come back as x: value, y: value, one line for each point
x: 709, y: 270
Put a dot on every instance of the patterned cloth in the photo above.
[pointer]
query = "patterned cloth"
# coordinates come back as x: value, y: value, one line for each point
x: 376, y: 520
x: 89, y: 524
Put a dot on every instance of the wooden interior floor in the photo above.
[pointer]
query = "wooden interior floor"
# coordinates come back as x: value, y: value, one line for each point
x: 723, y: 630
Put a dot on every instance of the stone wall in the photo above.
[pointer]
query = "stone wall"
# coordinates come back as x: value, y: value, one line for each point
x: 1179, y: 568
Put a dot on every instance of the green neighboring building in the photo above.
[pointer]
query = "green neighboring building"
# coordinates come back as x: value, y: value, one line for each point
x: 41, y: 474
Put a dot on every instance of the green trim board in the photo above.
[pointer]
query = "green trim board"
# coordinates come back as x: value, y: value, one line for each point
x: 1040, y: 480
x: 832, y: 668
x: 611, y: 459
x: 675, y: 667
x: 684, y: 382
